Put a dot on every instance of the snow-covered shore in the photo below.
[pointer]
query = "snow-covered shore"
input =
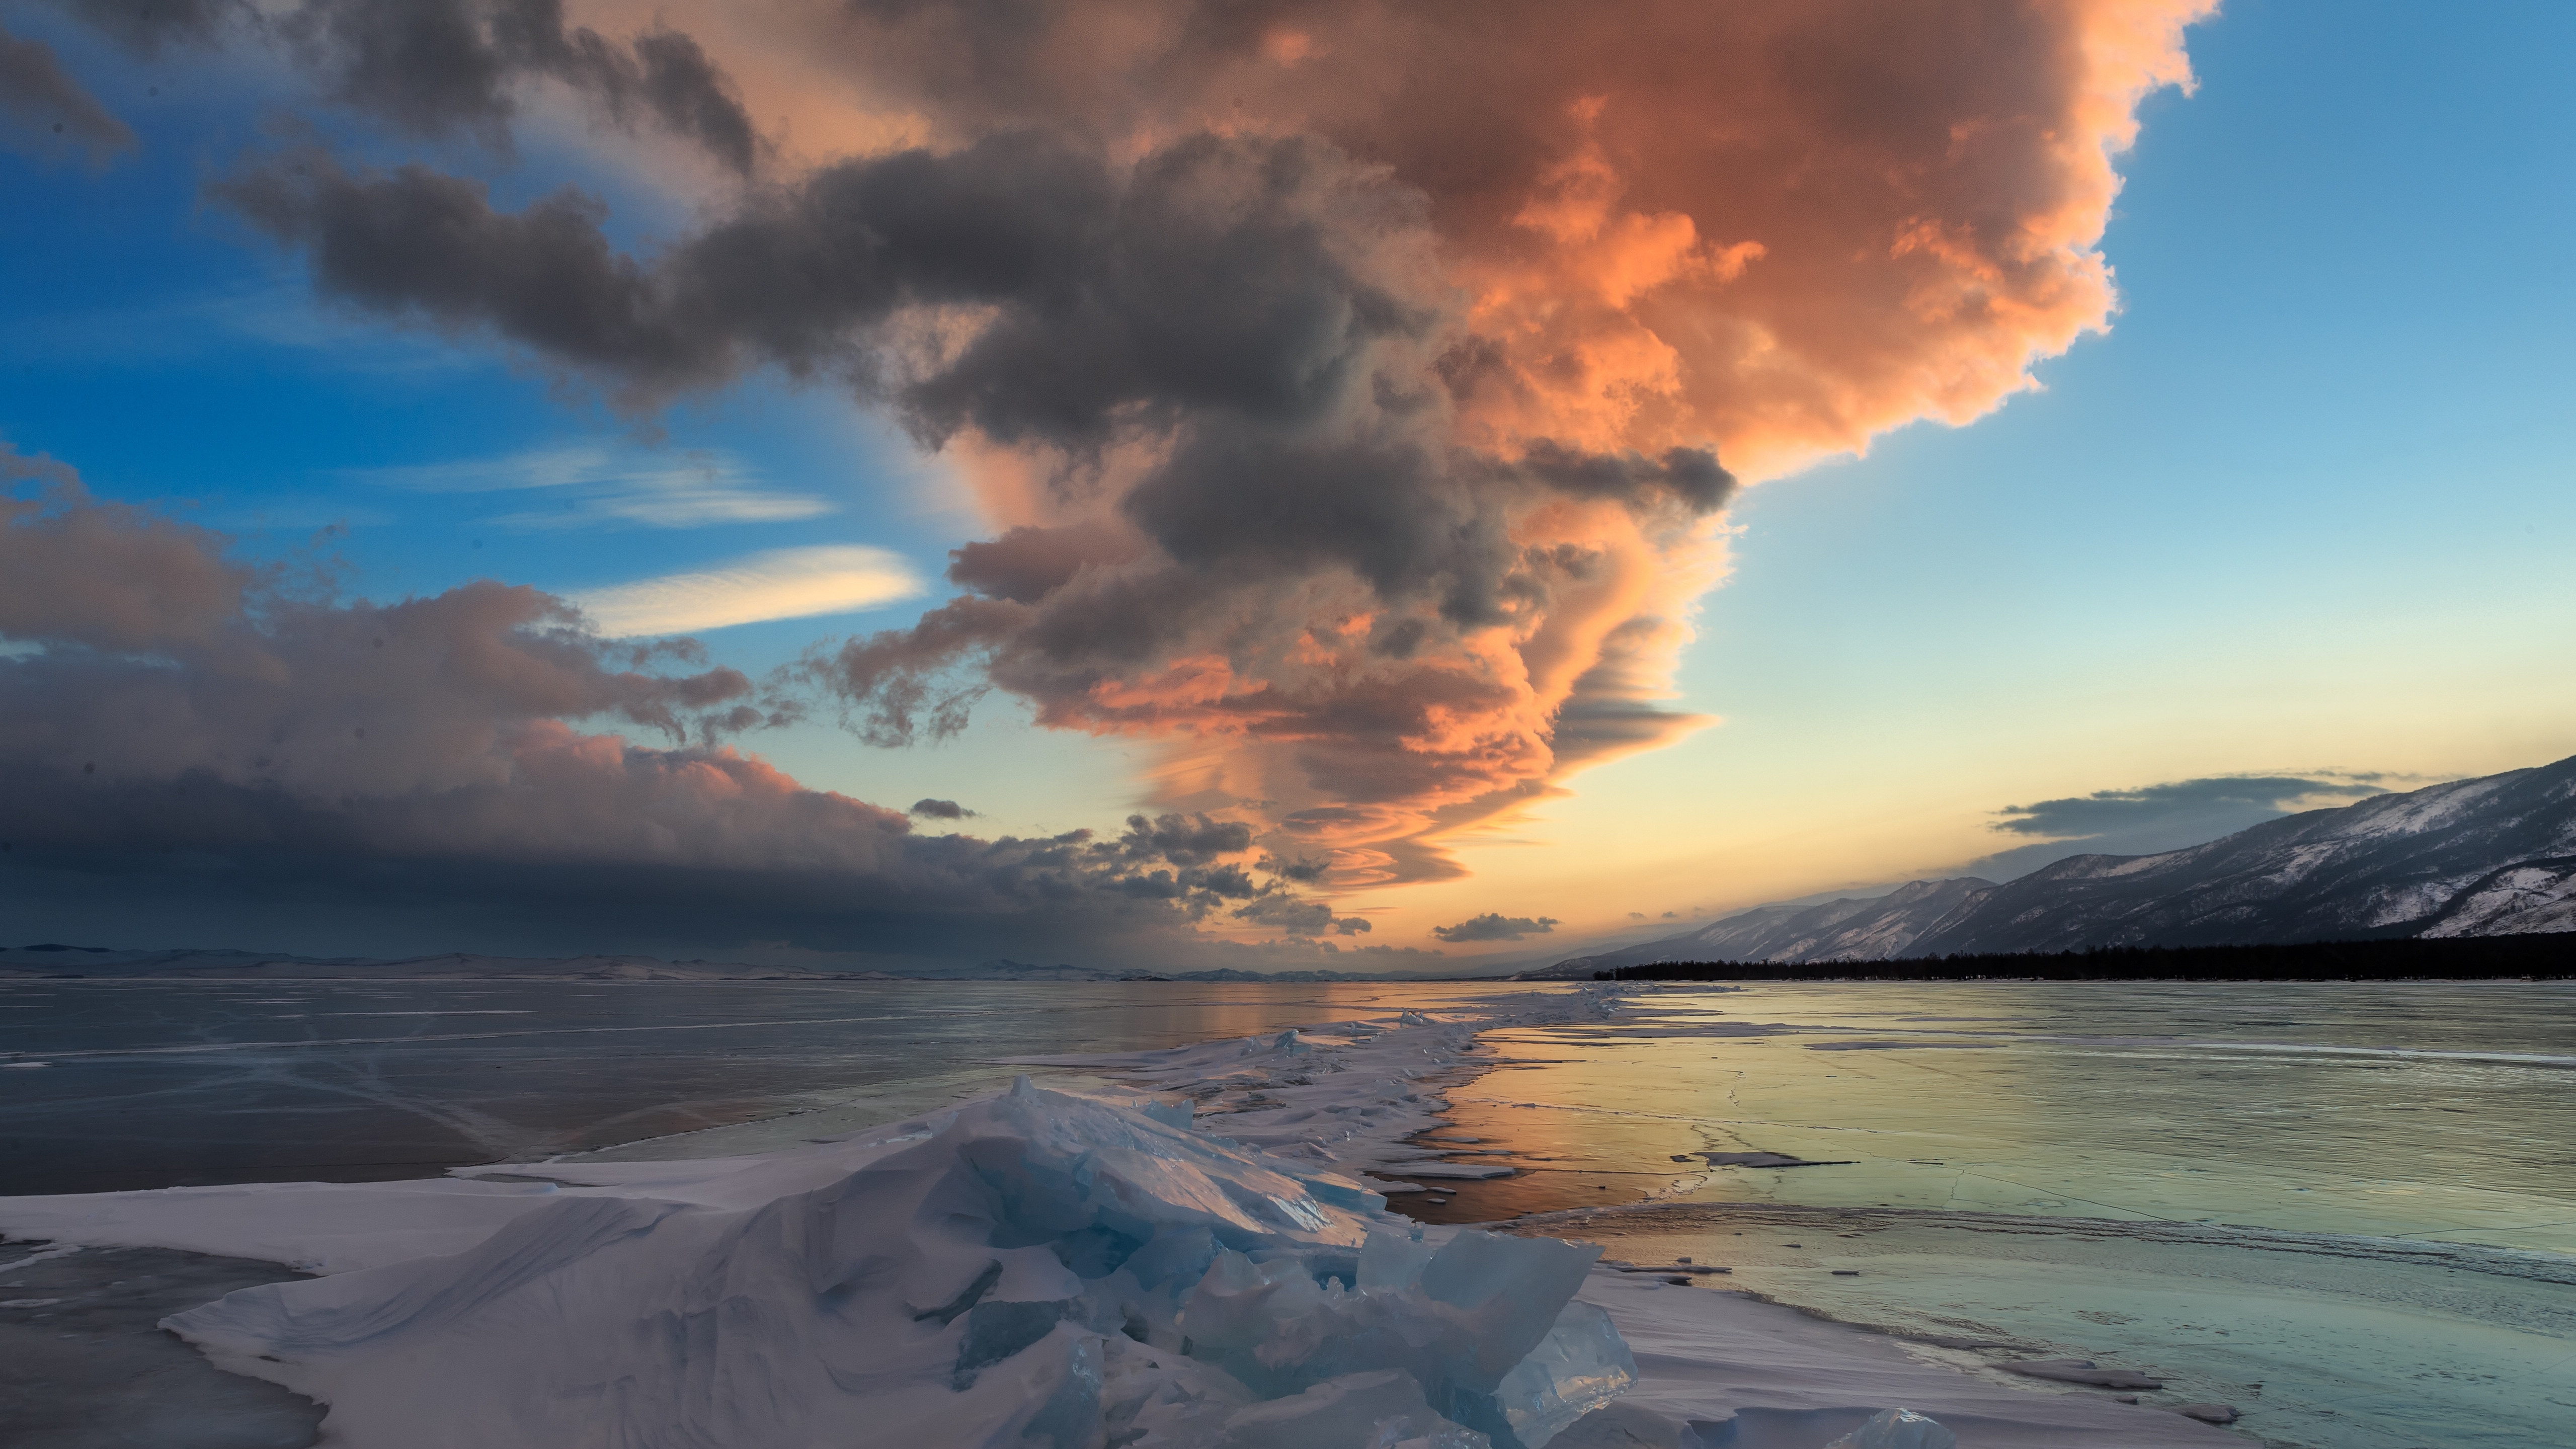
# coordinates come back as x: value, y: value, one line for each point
x: 1031, y: 1269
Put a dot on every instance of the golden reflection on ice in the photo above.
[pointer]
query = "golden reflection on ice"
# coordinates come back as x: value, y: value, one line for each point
x: 2142, y: 1101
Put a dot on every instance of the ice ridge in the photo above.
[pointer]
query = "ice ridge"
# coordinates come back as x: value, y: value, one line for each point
x: 1038, y: 1269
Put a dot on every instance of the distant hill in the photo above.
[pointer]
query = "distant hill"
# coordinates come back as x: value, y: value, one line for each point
x: 2487, y: 857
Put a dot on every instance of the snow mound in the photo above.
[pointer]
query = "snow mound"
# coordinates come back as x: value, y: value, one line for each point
x: 1039, y: 1269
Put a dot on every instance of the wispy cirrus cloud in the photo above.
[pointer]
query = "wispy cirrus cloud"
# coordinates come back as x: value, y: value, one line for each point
x: 596, y: 485
x: 786, y: 583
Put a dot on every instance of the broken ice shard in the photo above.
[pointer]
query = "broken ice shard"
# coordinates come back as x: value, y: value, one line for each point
x: 1037, y: 1269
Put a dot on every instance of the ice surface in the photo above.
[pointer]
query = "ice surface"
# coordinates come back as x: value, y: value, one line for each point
x: 84, y: 1366
x: 1897, y: 1429
x: 1039, y: 1268
x: 1720, y: 1370
x: 2084, y: 1371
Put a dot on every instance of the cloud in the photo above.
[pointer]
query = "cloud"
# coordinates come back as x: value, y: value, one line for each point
x: 785, y: 583
x: 150, y: 30
x: 42, y: 108
x: 441, y: 67
x: 1305, y: 562
x: 941, y: 810
x: 2150, y: 819
x: 1347, y: 384
x: 1494, y: 926
x: 1296, y: 917
x: 2107, y: 811
x: 1193, y: 839
x: 605, y: 485
x: 1303, y: 870
x: 193, y: 748
x: 104, y: 576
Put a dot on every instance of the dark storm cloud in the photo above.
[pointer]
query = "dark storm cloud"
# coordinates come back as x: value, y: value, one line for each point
x: 44, y: 108
x: 1231, y: 311
x: 1294, y: 917
x: 2106, y: 812
x: 1249, y: 500
x: 198, y: 860
x: 1026, y: 564
x: 1688, y: 474
x: 1300, y: 869
x: 200, y: 734
x: 1185, y: 840
x: 1205, y: 278
x: 437, y: 67
x: 427, y: 244
x: 1494, y: 926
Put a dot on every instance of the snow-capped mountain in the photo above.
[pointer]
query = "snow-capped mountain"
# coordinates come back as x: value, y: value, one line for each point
x: 2485, y: 857
x: 1840, y: 930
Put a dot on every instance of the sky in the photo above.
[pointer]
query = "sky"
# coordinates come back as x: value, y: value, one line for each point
x: 1283, y: 485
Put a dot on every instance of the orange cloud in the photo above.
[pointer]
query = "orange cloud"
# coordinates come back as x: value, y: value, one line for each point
x: 1774, y: 228
x: 1344, y: 381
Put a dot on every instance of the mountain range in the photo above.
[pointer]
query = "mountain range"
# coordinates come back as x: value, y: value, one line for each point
x: 2484, y: 857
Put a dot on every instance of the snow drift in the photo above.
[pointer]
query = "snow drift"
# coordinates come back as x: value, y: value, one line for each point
x: 1037, y: 1269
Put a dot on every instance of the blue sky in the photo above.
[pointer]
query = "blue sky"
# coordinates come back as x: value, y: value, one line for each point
x: 2304, y: 508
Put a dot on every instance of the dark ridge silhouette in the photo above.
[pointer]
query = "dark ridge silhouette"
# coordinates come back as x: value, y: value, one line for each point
x: 2546, y: 957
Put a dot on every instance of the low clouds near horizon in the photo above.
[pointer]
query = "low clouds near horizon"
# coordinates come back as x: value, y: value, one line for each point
x: 186, y: 738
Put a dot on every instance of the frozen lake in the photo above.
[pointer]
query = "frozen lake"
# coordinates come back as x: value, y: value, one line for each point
x: 109, y: 1086
x: 2348, y: 1209
x: 2444, y: 1112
